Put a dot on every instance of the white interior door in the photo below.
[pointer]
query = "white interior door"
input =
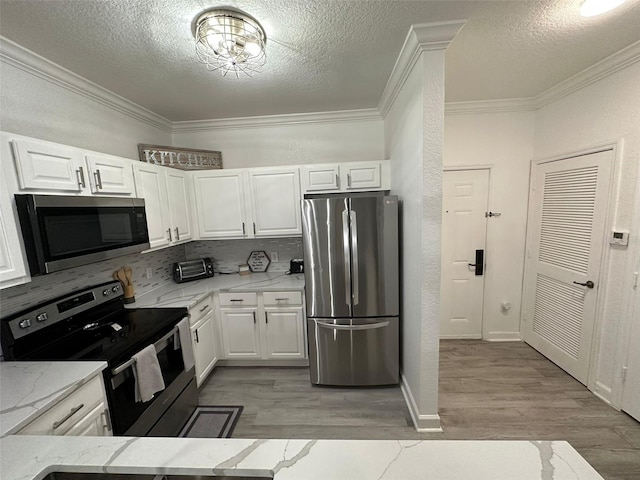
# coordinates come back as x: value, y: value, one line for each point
x: 567, y: 220
x: 631, y: 385
x: 464, y: 227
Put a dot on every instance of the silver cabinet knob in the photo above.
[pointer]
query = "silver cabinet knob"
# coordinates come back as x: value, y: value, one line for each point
x: 106, y: 292
x: 42, y: 317
x: 26, y: 323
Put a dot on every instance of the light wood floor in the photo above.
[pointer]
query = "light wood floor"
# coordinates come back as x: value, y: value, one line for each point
x: 498, y: 391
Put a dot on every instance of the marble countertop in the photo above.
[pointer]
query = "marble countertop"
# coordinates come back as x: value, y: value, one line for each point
x: 295, y: 459
x: 190, y: 293
x: 31, y: 388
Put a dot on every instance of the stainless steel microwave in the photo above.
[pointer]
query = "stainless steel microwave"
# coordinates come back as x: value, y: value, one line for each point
x: 61, y: 232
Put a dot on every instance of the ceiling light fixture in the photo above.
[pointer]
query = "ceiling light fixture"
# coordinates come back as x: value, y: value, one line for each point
x: 229, y: 40
x: 591, y: 8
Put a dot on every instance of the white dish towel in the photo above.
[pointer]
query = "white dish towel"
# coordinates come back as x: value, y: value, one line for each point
x: 183, y: 339
x: 147, y: 374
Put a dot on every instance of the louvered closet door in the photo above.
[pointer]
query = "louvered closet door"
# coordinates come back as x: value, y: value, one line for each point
x: 569, y: 199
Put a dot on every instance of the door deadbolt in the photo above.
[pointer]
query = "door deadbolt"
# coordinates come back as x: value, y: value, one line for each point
x: 588, y: 284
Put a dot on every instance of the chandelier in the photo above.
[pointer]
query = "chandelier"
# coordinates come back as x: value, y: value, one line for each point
x: 229, y: 40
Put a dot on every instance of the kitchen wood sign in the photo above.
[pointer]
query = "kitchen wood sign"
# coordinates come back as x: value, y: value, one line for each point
x: 180, y: 158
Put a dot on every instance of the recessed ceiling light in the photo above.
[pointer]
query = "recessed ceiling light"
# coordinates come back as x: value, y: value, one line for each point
x: 591, y: 8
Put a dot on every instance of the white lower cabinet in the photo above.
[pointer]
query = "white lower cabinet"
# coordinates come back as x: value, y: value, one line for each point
x: 284, y: 329
x: 204, y: 347
x: 83, y: 412
x: 262, y: 327
x: 203, y: 338
x: 240, y: 332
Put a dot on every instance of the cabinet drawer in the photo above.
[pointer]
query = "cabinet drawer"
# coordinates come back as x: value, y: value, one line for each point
x: 238, y: 299
x: 282, y: 298
x: 200, y: 309
x: 65, y: 414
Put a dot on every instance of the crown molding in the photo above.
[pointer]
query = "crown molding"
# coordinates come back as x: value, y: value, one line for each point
x: 598, y: 71
x: 363, y: 115
x: 19, y: 57
x: 422, y: 37
x: 604, y: 68
x: 490, y: 106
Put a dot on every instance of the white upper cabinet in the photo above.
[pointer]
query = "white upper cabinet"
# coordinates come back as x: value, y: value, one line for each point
x: 110, y: 175
x: 151, y: 185
x: 53, y: 168
x: 320, y: 178
x: 257, y: 202
x: 220, y: 203
x: 167, y: 197
x: 178, y: 188
x: 275, y: 201
x: 345, y: 177
x: 48, y: 166
x: 362, y: 176
x: 13, y: 270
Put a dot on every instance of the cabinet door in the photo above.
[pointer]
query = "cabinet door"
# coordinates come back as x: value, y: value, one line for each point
x: 13, y: 269
x: 180, y: 213
x: 220, y: 203
x: 240, y: 333
x: 275, y: 200
x: 110, y: 175
x: 321, y: 178
x: 48, y: 166
x: 285, y: 333
x: 204, y: 347
x: 359, y: 176
x: 94, y: 424
x: 150, y: 184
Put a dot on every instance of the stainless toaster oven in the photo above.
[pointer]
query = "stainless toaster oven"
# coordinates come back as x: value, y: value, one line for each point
x: 192, y: 270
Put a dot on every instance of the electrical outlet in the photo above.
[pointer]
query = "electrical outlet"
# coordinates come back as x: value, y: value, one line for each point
x: 274, y: 256
x: 149, y: 272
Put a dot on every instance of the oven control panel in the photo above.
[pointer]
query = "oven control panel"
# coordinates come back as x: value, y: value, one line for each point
x: 46, y: 314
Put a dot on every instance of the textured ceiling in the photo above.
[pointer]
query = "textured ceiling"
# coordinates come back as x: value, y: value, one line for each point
x: 321, y: 55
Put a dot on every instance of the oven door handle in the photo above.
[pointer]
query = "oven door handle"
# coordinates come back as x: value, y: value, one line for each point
x: 159, y: 346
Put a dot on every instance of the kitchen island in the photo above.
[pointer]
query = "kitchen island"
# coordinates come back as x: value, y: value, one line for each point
x: 32, y: 458
x: 31, y: 388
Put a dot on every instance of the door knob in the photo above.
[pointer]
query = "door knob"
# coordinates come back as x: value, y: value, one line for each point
x: 588, y: 284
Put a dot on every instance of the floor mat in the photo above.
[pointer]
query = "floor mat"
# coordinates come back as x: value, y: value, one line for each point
x: 211, y: 422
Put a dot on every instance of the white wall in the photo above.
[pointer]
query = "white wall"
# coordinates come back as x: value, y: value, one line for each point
x: 603, y: 112
x: 414, y: 128
x: 503, y: 141
x: 32, y: 106
x: 290, y: 144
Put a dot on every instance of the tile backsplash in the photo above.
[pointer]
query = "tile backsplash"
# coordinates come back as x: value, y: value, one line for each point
x: 56, y: 284
x: 228, y: 254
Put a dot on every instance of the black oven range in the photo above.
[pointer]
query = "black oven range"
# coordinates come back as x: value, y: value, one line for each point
x: 93, y: 324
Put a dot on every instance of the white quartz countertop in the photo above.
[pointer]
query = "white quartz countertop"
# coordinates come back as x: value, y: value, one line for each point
x: 189, y: 293
x: 26, y: 458
x: 28, y: 389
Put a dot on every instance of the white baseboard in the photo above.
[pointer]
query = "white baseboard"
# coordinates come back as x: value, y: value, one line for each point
x: 503, y: 337
x: 460, y: 337
x: 422, y: 423
x: 604, y: 393
x: 235, y: 362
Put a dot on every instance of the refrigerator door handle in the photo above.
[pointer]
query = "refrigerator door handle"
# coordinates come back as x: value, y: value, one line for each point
x: 354, y: 249
x: 347, y: 256
x: 366, y: 326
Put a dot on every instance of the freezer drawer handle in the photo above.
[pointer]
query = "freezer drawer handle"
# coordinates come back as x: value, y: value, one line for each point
x: 366, y: 326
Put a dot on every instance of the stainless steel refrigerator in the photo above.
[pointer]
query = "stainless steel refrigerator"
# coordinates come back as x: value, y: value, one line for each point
x: 351, y: 280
